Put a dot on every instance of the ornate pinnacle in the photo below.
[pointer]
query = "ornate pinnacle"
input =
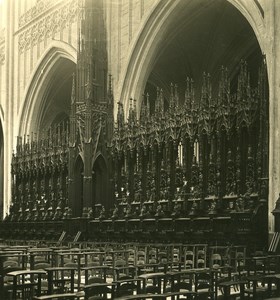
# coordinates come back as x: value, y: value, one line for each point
x: 73, y: 93
x: 188, y: 94
x: 110, y: 88
x: 148, y: 105
x: 88, y: 86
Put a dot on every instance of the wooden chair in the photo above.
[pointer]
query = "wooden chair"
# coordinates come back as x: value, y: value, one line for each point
x: 95, y: 274
x: 25, y: 287
x: 180, y: 281
x: 127, y: 287
x: 60, y: 279
x: 154, y: 283
x: 204, y: 284
x: 9, y: 262
x: 99, y: 291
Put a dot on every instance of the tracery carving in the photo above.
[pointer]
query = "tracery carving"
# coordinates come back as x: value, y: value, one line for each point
x: 47, y: 25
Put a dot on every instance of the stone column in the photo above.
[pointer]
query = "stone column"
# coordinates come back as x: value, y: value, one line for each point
x: 272, y: 22
x: 8, y: 101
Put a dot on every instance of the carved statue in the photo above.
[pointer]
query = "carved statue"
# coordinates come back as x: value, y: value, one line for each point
x: 159, y: 211
x: 115, y: 212
x: 143, y: 212
x: 128, y: 213
x: 152, y: 197
x: 213, y: 207
x: 138, y: 195
x: 240, y: 204
x: 194, y: 208
x: 90, y: 213
x: 27, y: 214
x: 102, y: 213
x: 58, y: 214
x: 176, y: 210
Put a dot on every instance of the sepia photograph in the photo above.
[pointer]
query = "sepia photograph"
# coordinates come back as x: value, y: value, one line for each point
x: 139, y: 149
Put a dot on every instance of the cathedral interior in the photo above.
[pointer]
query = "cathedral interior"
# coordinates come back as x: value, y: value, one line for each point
x: 139, y: 149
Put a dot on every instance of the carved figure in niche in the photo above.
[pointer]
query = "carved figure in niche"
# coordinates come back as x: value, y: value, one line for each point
x: 124, y: 197
x: 250, y: 205
x: 65, y: 213
x: 34, y: 213
x: 27, y: 214
x: 213, y: 207
x: 61, y: 199
x: 263, y: 189
x: 57, y: 214
x: 143, y: 212
x: 122, y: 192
x: 52, y: 196
x: 240, y: 204
x: 176, y: 210
x: 115, y: 212
x: 127, y: 196
x: 102, y: 213
x: 85, y: 213
x: 159, y: 211
x: 184, y: 189
x: 69, y: 213
x: 20, y: 212
x: 138, y: 195
x: 43, y: 199
x: 38, y: 213
x: 152, y: 197
x: 177, y: 193
x: 231, y: 206
x: 194, y: 208
x: 128, y: 213
x: 90, y: 213
x: 50, y: 213
x: 116, y: 195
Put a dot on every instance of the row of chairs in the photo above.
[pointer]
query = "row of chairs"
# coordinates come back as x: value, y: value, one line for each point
x: 117, y: 262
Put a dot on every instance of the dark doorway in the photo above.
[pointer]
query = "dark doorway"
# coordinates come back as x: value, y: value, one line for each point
x: 78, y: 181
x: 100, y: 182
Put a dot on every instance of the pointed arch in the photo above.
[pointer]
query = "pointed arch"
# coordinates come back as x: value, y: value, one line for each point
x: 147, y: 43
x: 77, y: 206
x: 33, y: 104
x: 100, y: 181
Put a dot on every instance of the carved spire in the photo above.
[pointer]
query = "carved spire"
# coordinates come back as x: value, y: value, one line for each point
x: 120, y: 116
x: 188, y: 94
x: 110, y: 91
x: 73, y: 93
x: 72, y: 135
x: 171, y: 101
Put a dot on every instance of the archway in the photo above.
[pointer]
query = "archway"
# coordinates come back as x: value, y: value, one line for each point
x: 48, y: 93
x: 167, y: 21
x: 77, y: 206
x: 100, y: 182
